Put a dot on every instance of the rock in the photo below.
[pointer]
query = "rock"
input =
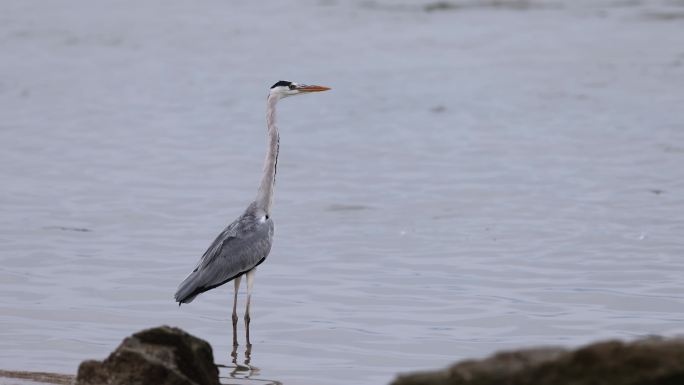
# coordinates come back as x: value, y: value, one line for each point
x: 162, y: 356
x: 36, y: 377
x: 652, y: 361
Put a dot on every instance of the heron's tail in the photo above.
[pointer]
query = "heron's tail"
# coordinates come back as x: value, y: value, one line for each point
x: 188, y: 289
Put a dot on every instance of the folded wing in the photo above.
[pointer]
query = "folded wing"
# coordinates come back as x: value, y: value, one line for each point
x: 240, y: 247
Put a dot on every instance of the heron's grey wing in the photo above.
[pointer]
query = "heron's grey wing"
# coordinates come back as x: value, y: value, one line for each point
x: 240, y: 247
x: 236, y: 254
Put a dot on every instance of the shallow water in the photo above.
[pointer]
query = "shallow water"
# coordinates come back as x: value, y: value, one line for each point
x: 480, y: 178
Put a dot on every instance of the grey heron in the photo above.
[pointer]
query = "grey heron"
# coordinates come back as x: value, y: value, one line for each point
x: 244, y: 244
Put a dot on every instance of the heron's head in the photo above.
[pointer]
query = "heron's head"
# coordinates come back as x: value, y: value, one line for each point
x: 283, y: 89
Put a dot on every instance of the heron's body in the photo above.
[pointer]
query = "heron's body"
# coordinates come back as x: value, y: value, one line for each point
x: 240, y: 247
x: 246, y: 242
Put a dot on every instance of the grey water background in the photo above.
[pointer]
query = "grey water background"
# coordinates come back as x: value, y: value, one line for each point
x: 484, y: 175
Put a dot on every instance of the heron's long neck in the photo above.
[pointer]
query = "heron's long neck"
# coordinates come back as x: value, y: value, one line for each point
x: 264, y: 198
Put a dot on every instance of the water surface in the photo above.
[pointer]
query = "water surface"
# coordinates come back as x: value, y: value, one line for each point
x: 480, y: 178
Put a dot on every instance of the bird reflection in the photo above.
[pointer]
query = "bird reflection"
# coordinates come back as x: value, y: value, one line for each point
x: 244, y: 373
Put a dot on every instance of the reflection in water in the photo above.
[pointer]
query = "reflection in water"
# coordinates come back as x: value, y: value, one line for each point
x: 241, y: 373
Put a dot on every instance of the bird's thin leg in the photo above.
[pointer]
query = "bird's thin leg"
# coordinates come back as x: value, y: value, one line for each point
x: 235, y: 316
x: 250, y: 283
x: 234, y: 355
x: 248, y: 355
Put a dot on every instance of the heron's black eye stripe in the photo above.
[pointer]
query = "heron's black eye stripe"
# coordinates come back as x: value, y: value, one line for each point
x: 281, y: 83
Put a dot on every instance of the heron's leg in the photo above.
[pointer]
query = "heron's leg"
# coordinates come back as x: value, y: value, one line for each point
x: 235, y: 316
x: 248, y: 356
x: 250, y: 284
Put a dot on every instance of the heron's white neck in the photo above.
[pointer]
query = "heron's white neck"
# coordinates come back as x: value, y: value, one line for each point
x: 264, y: 198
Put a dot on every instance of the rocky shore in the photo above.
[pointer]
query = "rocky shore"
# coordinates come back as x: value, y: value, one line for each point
x: 161, y: 355
x: 652, y: 361
x: 10, y: 377
x: 169, y: 356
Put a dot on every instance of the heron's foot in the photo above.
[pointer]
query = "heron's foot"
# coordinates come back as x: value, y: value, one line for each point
x: 242, y: 368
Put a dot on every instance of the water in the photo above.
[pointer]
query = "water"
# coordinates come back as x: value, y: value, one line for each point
x: 479, y: 178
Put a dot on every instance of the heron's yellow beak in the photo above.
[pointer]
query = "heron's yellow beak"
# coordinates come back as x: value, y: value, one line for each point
x: 307, y: 88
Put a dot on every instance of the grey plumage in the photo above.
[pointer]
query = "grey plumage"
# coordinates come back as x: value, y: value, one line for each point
x: 240, y: 247
x: 246, y: 242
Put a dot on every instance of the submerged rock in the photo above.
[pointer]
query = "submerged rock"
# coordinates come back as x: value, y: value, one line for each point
x: 35, y: 377
x: 653, y: 361
x: 162, y: 356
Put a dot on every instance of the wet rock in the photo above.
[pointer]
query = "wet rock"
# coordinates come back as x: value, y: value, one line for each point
x: 35, y: 377
x: 653, y: 361
x: 161, y: 356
